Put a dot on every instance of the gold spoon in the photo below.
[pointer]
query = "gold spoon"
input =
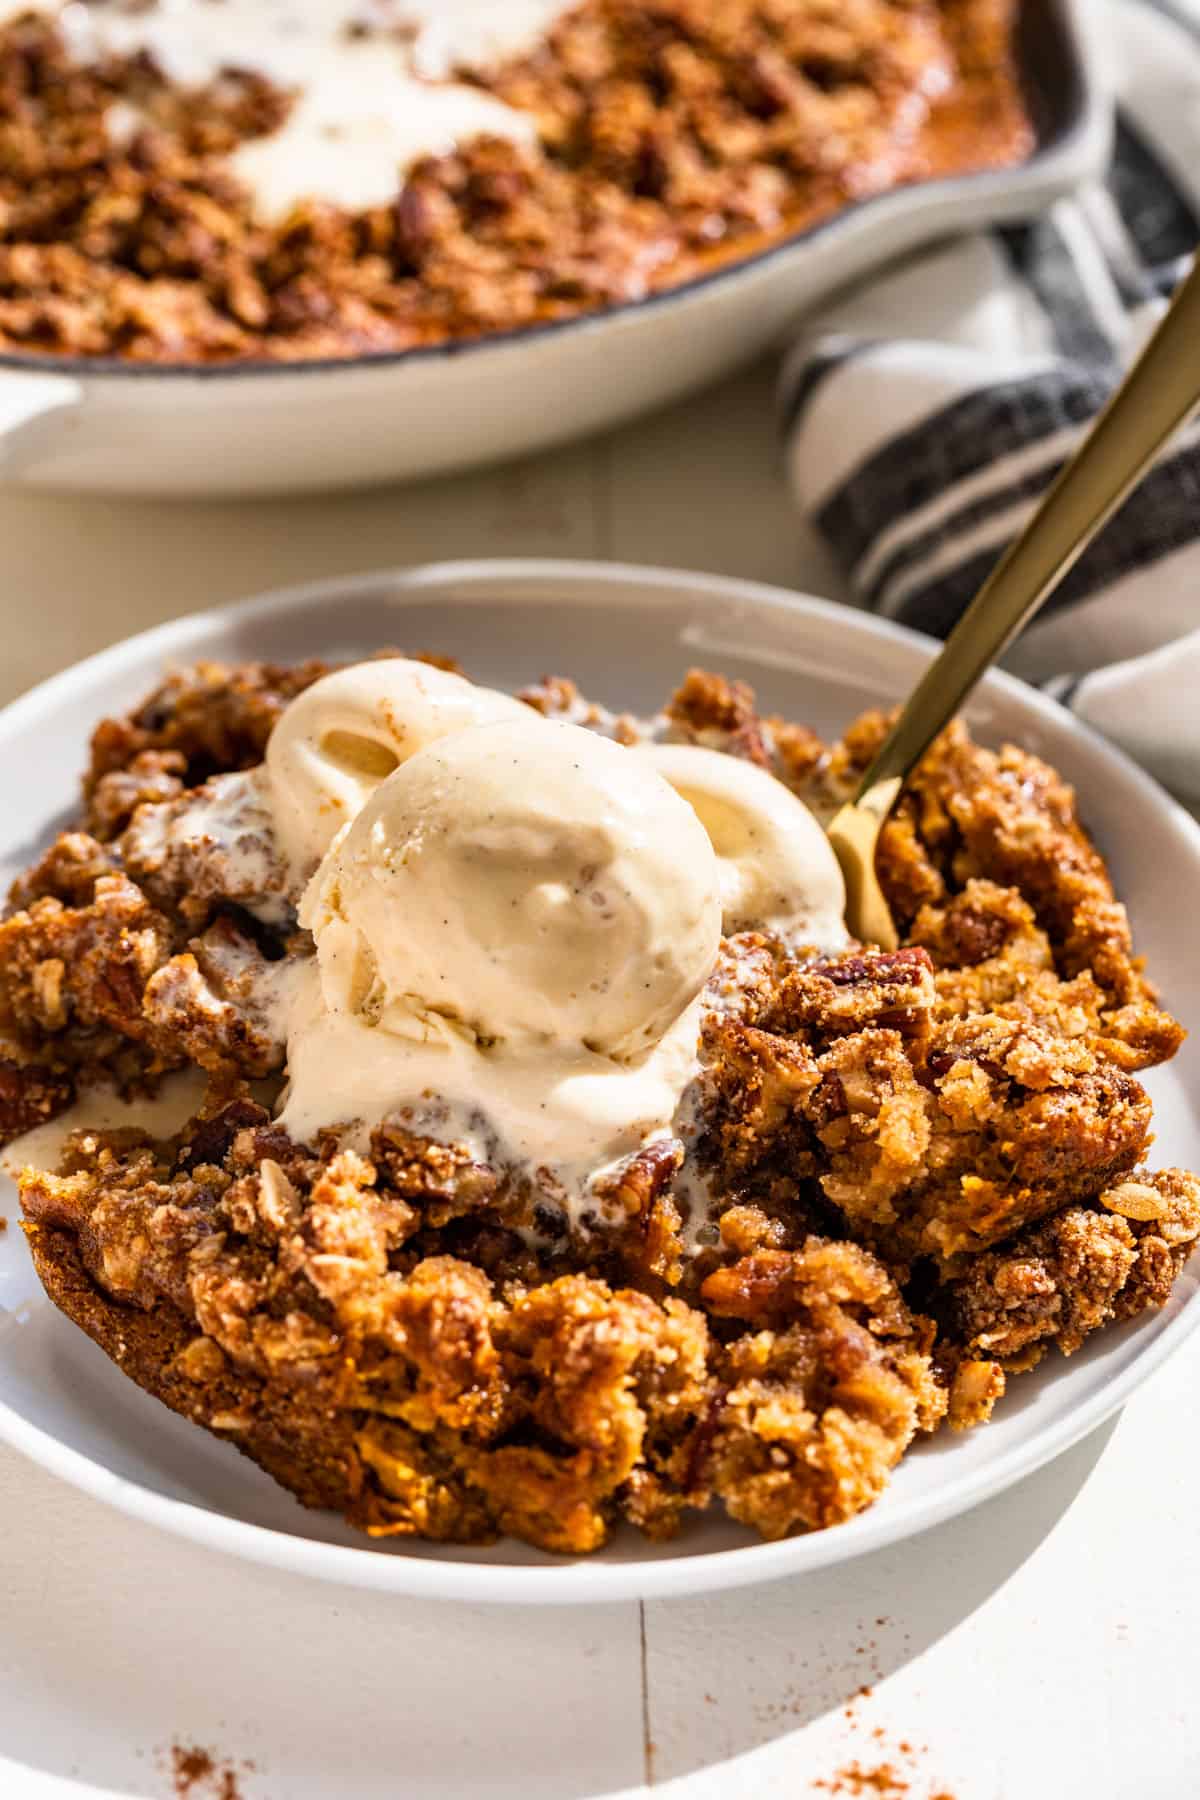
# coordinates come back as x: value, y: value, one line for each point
x: 1155, y: 397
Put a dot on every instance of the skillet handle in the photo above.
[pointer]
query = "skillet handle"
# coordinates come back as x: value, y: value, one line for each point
x: 35, y: 410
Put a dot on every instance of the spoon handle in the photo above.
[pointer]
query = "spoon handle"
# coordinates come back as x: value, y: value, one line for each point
x: 1156, y: 396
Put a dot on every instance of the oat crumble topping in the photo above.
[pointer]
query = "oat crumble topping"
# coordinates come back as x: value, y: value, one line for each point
x: 903, y: 1177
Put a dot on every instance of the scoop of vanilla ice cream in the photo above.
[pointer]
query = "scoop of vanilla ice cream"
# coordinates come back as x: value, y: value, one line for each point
x: 527, y: 879
x: 776, y: 866
x: 342, y: 736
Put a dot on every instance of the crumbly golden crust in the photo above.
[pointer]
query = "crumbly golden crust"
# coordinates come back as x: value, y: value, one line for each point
x: 113, y: 982
x: 907, y: 1174
x: 1085, y: 1267
x: 930, y: 1136
x: 674, y: 135
x: 974, y: 821
x: 288, y: 1307
x: 820, y: 1405
x: 200, y: 721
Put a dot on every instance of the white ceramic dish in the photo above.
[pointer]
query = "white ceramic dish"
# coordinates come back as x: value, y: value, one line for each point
x: 626, y: 634
x: 81, y: 424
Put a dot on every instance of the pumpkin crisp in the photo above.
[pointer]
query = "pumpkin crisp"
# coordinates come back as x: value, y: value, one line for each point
x: 656, y: 140
x: 898, y: 1180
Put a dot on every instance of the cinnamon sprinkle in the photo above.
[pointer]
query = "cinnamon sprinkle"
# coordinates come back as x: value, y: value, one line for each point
x: 884, y: 1781
x: 196, y: 1772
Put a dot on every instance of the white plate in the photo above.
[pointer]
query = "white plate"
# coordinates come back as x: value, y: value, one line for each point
x: 254, y: 428
x: 626, y: 635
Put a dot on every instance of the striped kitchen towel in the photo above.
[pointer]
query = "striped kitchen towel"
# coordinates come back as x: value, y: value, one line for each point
x: 926, y: 412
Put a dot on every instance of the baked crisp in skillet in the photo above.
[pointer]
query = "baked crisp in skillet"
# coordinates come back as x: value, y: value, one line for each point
x: 902, y: 1178
x: 667, y: 137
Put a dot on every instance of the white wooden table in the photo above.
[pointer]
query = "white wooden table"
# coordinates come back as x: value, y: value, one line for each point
x: 1042, y: 1648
